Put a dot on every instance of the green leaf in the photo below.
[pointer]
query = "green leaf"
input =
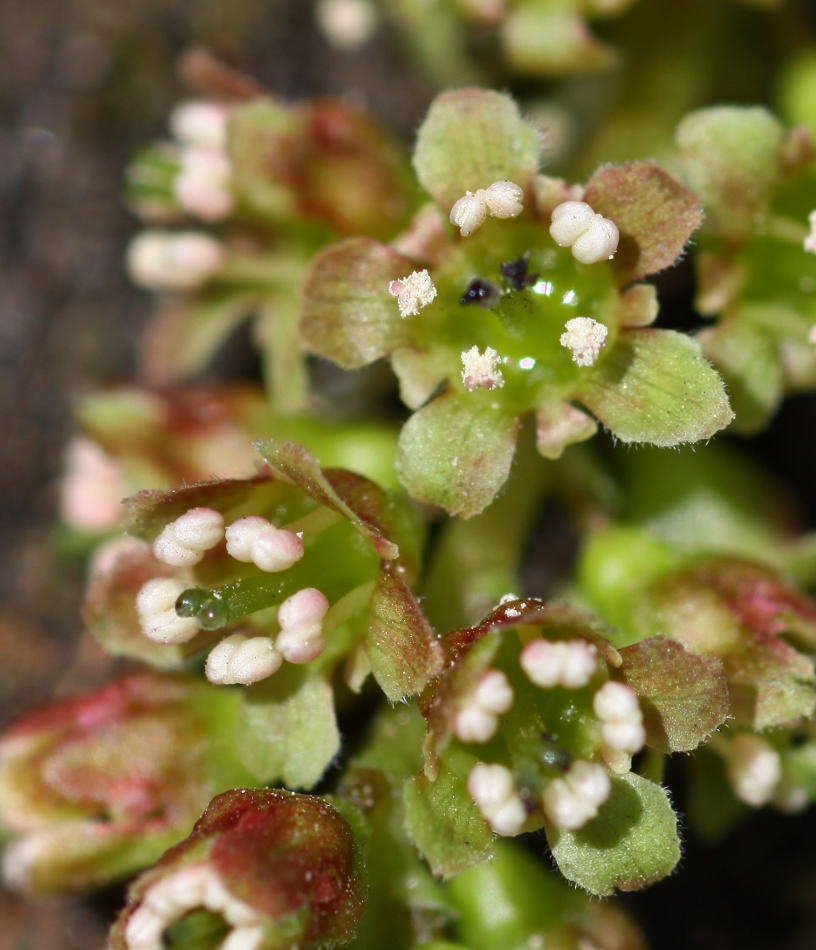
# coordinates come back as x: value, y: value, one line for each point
x: 289, y: 731
x: 631, y: 844
x: 348, y: 314
x: 276, y: 332
x: 683, y: 697
x: 457, y: 455
x: 404, y: 652
x: 185, y: 335
x: 471, y: 138
x: 654, y: 213
x: 730, y: 157
x: 656, y: 386
x: 442, y: 820
x: 749, y: 362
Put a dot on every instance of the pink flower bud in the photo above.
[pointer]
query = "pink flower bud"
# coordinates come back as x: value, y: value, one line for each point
x: 301, y: 620
x: 255, y: 539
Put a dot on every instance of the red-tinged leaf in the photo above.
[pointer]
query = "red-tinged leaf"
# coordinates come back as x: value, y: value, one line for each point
x: 654, y: 213
x: 336, y: 489
x: 404, y: 652
x: 110, y: 610
x: 683, y: 697
x: 470, y: 139
x: 150, y: 510
x: 348, y: 314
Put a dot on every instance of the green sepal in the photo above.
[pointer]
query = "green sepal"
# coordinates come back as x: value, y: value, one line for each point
x: 683, y: 697
x: 442, y: 819
x: 654, y: 213
x: 348, y: 314
x: 631, y: 844
x: 730, y: 157
x: 457, y: 455
x: 470, y: 139
x: 656, y: 386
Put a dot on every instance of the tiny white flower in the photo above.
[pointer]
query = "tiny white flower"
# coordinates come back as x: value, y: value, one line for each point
x: 481, y: 370
x: 346, y: 24
x: 156, y: 607
x: 175, y: 261
x: 241, y: 659
x: 200, y: 122
x: 413, y: 292
x: 184, y: 541
x: 255, y: 539
x: 584, y: 338
x: 301, y: 621
x: 591, y: 236
x: 504, y: 199
x: 809, y: 243
x: 754, y: 768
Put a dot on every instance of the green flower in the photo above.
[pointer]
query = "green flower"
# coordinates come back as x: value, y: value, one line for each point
x: 504, y: 320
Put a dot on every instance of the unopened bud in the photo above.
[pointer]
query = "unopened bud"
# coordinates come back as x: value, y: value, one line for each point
x: 176, y: 261
x: 567, y: 663
x: 256, y: 540
x: 570, y: 802
x: 494, y: 792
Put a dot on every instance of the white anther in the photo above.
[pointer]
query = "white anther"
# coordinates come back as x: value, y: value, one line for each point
x: 413, y: 292
x: 616, y: 705
x: 591, y: 236
x: 171, y: 898
x: 244, y: 938
x: 200, y: 122
x: 178, y: 261
x: 504, y: 199
x: 477, y: 720
x: 241, y: 659
x: 494, y: 792
x: 301, y: 621
x: 202, y: 185
x: 567, y: 663
x: 469, y: 212
x: 184, y: 541
x: 346, y: 24
x: 584, y: 338
x: 754, y: 768
x: 570, y: 802
x: 255, y: 539
x: 809, y: 243
x: 156, y: 607
x: 481, y: 370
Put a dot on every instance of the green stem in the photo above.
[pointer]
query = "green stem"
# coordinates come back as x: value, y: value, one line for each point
x: 221, y: 606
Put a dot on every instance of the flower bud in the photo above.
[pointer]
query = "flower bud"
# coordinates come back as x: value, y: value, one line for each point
x: 570, y: 802
x: 504, y: 199
x: 181, y: 261
x: 255, y: 539
x: 493, y: 789
x: 567, y: 663
x: 202, y: 185
x: 184, y: 541
x: 469, y: 212
x: 97, y: 787
x: 280, y: 869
